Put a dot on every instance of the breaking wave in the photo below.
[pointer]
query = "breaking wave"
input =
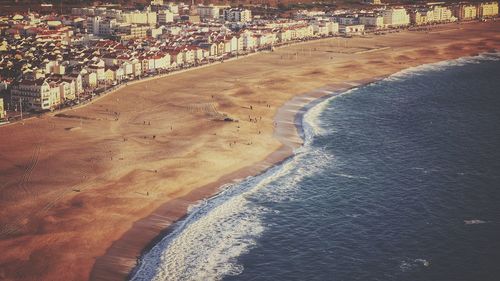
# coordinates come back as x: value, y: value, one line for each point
x: 443, y: 65
x: 206, y: 245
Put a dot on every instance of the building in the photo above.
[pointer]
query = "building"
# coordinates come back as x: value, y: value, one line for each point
x: 208, y: 12
x: 132, y: 31
x: 396, y: 17
x: 2, y: 109
x: 139, y: 17
x: 376, y: 21
x: 488, y: 10
x: 466, y: 12
x: 358, y: 29
x: 157, y: 2
x: 442, y: 14
x: 165, y: 17
x: 421, y: 16
x: 32, y: 95
x: 373, y: 2
x: 237, y: 15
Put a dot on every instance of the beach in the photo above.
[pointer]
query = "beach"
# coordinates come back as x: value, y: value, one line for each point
x: 84, y: 192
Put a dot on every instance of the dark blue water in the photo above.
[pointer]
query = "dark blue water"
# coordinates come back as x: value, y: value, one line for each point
x: 416, y: 160
x: 398, y: 180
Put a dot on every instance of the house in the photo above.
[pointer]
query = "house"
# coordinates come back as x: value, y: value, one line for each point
x: 31, y: 95
x: 77, y: 82
x: 90, y: 80
x: 358, y: 29
x: 110, y: 75
x: 67, y: 89
x: 177, y: 57
x: 284, y: 35
x: 98, y: 70
x: 211, y: 48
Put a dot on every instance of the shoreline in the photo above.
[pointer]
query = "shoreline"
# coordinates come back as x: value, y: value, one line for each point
x: 289, y: 130
x: 115, y: 241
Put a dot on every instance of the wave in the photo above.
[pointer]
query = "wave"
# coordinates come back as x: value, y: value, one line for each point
x: 474, y: 221
x: 312, y: 120
x: 410, y: 264
x: 442, y: 65
x: 206, y: 245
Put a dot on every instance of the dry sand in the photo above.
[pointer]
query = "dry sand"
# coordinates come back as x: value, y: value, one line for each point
x: 82, y: 195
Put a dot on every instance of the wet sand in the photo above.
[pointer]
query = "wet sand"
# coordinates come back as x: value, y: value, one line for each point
x: 82, y: 195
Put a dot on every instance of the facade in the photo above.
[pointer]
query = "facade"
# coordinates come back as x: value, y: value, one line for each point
x: 421, y: 16
x: 396, y: 17
x: 165, y: 17
x: 32, y: 95
x: 358, y: 29
x: 237, y: 15
x: 466, y: 12
x: 139, y: 17
x: 101, y: 26
x: 2, y: 109
x: 442, y: 14
x: 487, y: 10
x: 132, y: 31
x: 372, y: 21
x: 208, y: 12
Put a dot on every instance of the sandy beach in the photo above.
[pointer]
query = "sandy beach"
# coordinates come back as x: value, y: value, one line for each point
x: 85, y: 191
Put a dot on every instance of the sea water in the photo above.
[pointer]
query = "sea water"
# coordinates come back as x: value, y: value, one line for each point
x: 397, y: 180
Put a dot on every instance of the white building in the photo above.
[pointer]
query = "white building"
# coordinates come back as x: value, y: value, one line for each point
x: 466, y: 12
x: 396, y: 17
x: 372, y: 21
x: 101, y: 26
x: 357, y: 29
x: 486, y: 10
x: 32, y: 95
x: 237, y: 15
x: 442, y: 14
x: 165, y: 17
x: 139, y: 17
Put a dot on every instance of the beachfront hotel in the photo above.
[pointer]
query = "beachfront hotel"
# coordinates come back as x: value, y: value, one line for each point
x: 487, y: 10
x: 396, y: 17
x: 466, y: 12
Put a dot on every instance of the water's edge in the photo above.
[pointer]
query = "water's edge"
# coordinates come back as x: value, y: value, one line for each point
x: 290, y: 132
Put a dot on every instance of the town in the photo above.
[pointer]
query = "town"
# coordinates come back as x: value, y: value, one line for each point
x: 51, y: 61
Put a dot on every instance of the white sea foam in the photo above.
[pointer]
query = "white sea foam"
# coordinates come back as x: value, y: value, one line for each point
x: 475, y: 221
x: 443, y: 65
x: 206, y: 245
x: 350, y: 176
x: 410, y: 264
x: 312, y: 121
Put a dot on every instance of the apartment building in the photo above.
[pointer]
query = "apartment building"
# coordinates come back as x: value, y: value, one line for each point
x: 396, y: 17
x: 487, y: 10
x: 237, y: 15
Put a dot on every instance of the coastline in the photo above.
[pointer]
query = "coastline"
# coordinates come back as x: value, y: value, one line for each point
x: 120, y: 257
x: 151, y: 229
x: 289, y: 130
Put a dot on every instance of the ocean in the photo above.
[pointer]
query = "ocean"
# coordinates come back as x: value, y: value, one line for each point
x: 397, y: 180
